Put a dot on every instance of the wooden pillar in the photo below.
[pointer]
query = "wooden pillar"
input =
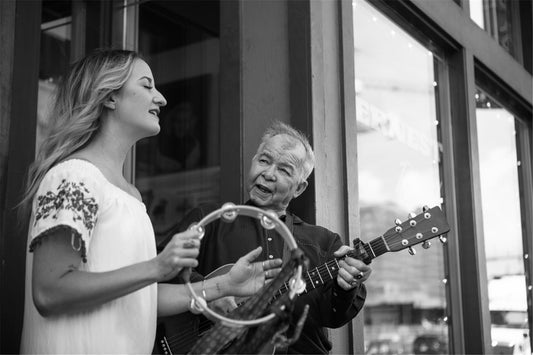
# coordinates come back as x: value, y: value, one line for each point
x: 20, y: 58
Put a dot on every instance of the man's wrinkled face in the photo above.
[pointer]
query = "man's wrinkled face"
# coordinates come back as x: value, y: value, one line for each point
x: 275, y: 177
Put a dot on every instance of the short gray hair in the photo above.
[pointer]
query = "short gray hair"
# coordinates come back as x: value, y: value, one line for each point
x: 278, y: 128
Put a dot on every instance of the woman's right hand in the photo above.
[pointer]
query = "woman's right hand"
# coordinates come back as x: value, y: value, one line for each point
x: 180, y: 252
x: 246, y: 277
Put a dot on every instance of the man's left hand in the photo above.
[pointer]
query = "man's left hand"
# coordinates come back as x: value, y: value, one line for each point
x: 352, y: 271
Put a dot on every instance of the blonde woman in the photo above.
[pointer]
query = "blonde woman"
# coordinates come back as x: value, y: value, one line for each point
x: 92, y: 270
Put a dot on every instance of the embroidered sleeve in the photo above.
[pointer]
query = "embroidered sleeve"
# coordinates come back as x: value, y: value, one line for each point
x: 65, y: 200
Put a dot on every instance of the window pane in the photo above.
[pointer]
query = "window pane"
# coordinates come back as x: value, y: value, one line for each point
x: 179, y: 168
x: 498, y: 18
x: 502, y: 227
x: 56, y: 38
x: 399, y: 172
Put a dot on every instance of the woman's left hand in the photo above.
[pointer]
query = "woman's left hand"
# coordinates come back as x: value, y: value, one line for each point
x: 246, y: 277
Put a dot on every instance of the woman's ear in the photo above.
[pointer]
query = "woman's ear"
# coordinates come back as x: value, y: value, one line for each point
x: 110, y: 103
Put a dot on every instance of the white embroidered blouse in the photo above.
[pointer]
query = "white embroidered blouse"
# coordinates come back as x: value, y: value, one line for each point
x: 115, y: 231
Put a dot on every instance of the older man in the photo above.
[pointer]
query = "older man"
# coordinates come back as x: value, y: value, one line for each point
x: 279, y: 172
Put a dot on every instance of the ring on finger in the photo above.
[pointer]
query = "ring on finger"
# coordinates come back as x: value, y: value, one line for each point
x: 360, y: 275
x: 263, y: 265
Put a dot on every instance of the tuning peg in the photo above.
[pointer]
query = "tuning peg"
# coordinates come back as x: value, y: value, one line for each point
x: 398, y: 229
x: 426, y: 244
x: 412, y: 251
x: 443, y: 239
x: 411, y: 215
x: 425, y: 208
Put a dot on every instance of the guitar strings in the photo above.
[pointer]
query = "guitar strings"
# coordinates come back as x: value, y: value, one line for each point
x: 205, y: 324
x: 377, y: 246
x: 189, y: 335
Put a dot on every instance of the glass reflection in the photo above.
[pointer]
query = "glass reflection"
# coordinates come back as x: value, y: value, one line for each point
x: 179, y: 168
x: 398, y: 157
x: 501, y: 202
x: 496, y: 17
x: 56, y: 28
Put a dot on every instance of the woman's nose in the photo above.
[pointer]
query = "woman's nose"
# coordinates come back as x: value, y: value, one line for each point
x: 160, y: 99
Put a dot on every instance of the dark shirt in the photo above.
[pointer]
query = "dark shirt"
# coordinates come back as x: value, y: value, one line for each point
x: 329, y: 305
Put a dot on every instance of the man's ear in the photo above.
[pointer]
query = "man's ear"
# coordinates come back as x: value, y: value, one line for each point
x: 110, y: 103
x: 301, y: 188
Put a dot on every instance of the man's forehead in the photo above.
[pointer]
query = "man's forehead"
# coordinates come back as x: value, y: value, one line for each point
x: 285, y: 149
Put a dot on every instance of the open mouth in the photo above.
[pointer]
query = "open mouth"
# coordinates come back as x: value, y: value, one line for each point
x: 263, y: 189
x: 154, y: 112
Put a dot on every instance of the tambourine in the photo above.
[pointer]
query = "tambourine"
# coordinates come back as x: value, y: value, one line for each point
x: 269, y: 220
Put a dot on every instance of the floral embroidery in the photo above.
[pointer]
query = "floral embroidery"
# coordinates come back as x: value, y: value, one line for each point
x: 70, y: 196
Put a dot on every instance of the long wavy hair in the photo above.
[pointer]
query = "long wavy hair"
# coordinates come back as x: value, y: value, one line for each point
x: 76, y: 115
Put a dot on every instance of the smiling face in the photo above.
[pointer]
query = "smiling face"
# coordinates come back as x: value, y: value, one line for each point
x: 275, y: 177
x: 137, y: 104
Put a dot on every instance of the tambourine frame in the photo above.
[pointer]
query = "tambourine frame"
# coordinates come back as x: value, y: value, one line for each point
x: 269, y: 220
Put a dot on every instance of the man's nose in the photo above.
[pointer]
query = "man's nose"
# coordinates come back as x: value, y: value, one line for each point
x: 270, y: 173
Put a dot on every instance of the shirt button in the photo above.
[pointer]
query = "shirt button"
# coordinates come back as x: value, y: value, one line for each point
x: 334, y: 310
x: 271, y: 256
x: 334, y: 293
x: 269, y: 239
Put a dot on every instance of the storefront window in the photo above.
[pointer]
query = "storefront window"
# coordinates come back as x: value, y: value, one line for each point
x: 179, y: 168
x: 56, y: 28
x: 498, y: 18
x: 502, y: 226
x: 399, y: 172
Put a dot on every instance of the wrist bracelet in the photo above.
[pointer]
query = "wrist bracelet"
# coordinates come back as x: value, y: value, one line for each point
x: 203, y: 290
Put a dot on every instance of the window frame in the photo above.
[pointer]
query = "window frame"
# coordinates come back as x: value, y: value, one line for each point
x: 466, y: 48
x: 515, y: 104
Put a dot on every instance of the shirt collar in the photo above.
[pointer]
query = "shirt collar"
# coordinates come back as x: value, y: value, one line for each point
x: 295, y: 218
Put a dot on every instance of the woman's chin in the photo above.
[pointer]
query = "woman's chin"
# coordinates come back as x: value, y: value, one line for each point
x: 152, y: 131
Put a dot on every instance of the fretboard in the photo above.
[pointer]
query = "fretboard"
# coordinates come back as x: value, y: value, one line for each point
x: 328, y: 271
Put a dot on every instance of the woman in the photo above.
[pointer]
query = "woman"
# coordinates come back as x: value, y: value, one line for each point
x: 92, y: 269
